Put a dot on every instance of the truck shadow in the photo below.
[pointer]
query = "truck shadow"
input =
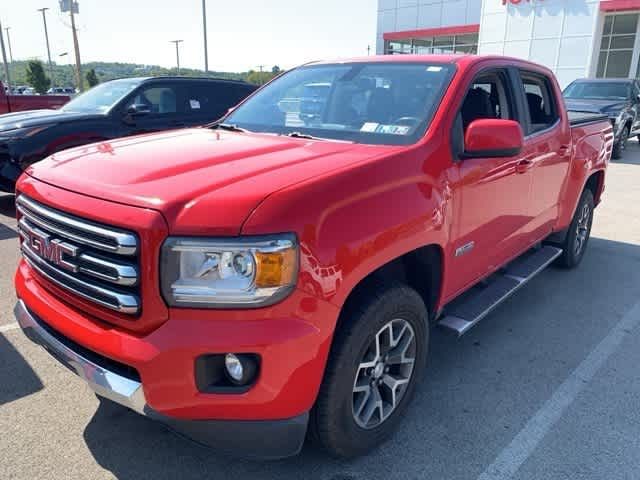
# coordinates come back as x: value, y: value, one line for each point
x: 476, y: 396
x: 7, y: 205
x: 17, y: 378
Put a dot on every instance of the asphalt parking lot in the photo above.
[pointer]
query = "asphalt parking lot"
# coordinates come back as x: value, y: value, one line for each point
x: 547, y: 387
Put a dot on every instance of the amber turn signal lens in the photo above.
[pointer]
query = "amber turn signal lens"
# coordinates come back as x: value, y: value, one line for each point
x: 275, y: 269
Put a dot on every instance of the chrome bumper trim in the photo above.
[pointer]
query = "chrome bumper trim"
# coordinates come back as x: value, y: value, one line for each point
x: 115, y: 387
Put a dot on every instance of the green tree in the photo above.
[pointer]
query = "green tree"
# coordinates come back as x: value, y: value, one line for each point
x: 275, y: 70
x: 92, y: 78
x: 36, y: 77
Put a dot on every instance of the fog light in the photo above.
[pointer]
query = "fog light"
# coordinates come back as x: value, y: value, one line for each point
x: 234, y: 367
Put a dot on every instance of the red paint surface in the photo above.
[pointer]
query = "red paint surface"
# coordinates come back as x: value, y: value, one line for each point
x: 432, y: 32
x: 353, y: 208
x: 619, y: 5
x: 18, y: 103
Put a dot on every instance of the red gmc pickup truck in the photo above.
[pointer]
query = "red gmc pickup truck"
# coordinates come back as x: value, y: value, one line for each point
x: 277, y: 273
x: 19, y: 103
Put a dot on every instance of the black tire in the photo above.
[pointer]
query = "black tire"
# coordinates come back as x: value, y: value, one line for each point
x: 620, y: 146
x: 333, y: 423
x: 574, y: 246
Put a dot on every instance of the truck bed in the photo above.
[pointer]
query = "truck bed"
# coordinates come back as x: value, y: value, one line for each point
x: 580, y: 118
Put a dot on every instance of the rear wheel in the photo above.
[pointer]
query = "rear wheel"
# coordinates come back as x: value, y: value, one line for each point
x: 575, y: 243
x: 620, y: 146
x: 378, y: 354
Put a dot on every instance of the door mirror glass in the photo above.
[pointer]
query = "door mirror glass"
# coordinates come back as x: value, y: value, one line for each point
x: 491, y: 137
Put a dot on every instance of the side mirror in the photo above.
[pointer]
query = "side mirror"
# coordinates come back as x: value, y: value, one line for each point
x: 637, y: 98
x: 491, y: 137
x: 138, y: 109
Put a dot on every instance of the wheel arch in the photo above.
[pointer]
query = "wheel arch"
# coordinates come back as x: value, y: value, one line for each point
x: 421, y: 269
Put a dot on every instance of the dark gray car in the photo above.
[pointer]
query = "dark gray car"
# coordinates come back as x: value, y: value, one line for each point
x: 618, y: 98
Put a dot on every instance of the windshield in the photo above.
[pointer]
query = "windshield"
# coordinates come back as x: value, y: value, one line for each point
x: 378, y: 103
x: 598, y: 90
x: 101, y: 98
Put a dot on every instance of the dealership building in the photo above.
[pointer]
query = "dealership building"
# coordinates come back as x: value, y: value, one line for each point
x: 574, y: 38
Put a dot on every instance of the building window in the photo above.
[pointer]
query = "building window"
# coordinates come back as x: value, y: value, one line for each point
x: 446, y: 44
x: 616, y: 47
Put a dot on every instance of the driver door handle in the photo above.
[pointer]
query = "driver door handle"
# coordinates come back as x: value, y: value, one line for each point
x: 523, y: 166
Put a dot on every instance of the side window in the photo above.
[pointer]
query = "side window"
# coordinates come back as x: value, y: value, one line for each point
x: 540, y: 100
x: 487, y: 97
x: 161, y: 100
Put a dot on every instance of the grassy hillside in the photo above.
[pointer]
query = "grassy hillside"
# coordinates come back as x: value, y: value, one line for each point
x: 63, y: 75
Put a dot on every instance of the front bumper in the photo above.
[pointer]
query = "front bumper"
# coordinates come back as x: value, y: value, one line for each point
x: 264, y: 439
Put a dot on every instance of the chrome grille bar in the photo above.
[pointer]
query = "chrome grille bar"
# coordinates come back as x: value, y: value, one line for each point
x: 80, y: 231
x: 93, y: 261
x: 121, y: 302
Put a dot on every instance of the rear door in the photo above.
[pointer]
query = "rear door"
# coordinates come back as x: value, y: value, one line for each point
x: 492, y: 197
x: 547, y: 148
x: 207, y: 101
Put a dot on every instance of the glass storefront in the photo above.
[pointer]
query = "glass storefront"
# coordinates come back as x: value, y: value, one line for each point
x: 616, y: 56
x: 467, y: 43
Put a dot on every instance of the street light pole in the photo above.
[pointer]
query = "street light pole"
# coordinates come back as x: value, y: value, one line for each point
x: 177, y: 42
x: 46, y: 37
x: 4, y: 61
x: 9, y: 44
x: 204, y: 30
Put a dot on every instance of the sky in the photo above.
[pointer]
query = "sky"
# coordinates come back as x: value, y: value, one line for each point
x: 242, y: 34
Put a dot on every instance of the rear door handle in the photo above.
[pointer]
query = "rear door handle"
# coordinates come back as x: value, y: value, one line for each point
x: 523, y: 166
x: 563, y: 150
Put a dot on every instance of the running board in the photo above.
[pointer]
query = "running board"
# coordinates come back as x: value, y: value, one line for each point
x: 472, y: 306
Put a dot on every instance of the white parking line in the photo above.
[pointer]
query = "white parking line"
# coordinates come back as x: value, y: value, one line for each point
x: 9, y: 327
x: 524, y: 443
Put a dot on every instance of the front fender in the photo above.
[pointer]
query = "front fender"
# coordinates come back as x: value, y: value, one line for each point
x: 352, y: 222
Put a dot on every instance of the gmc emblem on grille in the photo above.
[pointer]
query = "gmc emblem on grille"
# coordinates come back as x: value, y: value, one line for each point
x: 52, y: 250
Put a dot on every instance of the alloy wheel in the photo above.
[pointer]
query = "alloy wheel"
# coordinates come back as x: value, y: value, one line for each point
x: 384, y: 373
x: 582, y: 229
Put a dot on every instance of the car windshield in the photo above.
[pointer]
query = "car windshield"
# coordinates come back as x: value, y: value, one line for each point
x: 597, y: 90
x: 101, y: 98
x: 377, y: 103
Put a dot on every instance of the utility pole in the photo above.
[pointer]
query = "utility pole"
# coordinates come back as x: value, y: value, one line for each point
x: 74, y: 6
x: 204, y: 30
x: 46, y: 37
x: 177, y: 42
x: 9, y: 44
x: 368, y: 50
x: 4, y: 61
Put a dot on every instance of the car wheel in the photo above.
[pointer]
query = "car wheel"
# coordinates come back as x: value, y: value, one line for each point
x: 620, y: 146
x: 575, y: 243
x: 378, y: 355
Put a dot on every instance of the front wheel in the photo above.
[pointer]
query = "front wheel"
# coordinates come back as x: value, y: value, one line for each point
x: 378, y: 355
x: 575, y: 243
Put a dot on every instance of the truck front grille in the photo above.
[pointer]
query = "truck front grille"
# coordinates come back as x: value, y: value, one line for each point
x: 93, y: 261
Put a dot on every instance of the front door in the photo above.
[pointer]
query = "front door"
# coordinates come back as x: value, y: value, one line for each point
x: 491, y: 194
x: 165, y: 106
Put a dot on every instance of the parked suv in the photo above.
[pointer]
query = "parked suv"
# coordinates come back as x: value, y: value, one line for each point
x: 619, y: 99
x: 112, y: 109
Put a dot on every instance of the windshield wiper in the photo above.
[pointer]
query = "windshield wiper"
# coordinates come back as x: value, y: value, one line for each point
x: 231, y: 127
x: 311, y: 137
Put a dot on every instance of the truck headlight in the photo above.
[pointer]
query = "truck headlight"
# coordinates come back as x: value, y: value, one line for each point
x: 240, y: 272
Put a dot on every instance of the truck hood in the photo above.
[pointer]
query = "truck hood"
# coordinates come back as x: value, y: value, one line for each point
x: 596, y: 106
x: 203, y: 181
x: 40, y: 118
